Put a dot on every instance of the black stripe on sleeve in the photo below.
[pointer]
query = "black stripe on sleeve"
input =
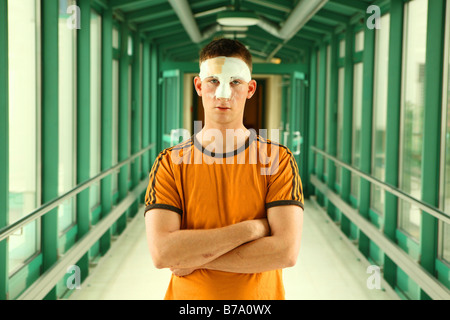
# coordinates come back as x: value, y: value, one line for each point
x: 284, y: 203
x: 163, y: 206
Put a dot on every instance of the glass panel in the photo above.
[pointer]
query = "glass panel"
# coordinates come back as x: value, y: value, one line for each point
x: 96, y: 71
x: 130, y: 101
x: 445, y: 228
x: 412, y: 112
x: 317, y: 104
x: 23, y: 62
x: 115, y: 38
x: 379, y: 112
x: 67, y: 114
x: 356, y: 128
x: 342, y: 48
x: 340, y: 111
x: 327, y: 104
x: 359, y: 41
x: 115, y: 123
x: 130, y: 46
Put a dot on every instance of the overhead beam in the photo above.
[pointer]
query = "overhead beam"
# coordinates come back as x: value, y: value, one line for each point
x: 184, y: 13
x: 352, y: 4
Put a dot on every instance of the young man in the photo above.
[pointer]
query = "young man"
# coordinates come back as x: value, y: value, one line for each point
x: 224, y: 209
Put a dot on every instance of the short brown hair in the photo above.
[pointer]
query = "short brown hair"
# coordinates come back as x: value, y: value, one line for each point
x: 228, y: 48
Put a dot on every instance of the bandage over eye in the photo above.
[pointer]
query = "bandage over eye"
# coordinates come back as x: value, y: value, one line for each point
x: 225, y: 70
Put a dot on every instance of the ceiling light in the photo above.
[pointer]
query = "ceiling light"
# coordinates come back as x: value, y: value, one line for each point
x: 237, y: 18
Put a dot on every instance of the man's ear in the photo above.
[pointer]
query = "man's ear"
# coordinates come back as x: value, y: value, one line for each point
x: 198, y: 85
x: 251, y: 88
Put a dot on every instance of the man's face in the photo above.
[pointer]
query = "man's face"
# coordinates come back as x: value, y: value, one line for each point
x: 224, y: 85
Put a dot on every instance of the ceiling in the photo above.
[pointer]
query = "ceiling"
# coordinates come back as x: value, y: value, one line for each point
x: 182, y: 27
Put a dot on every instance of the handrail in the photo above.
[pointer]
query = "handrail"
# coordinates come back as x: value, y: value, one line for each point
x: 404, y: 196
x: 39, y: 289
x: 8, y: 230
x: 432, y: 286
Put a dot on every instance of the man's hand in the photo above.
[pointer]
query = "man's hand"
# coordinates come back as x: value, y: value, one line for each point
x: 182, y: 272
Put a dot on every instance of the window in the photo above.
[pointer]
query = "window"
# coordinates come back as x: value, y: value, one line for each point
x: 115, y: 124
x: 359, y: 41
x: 340, y: 111
x: 379, y: 112
x: 342, y: 48
x: 414, y: 47
x: 317, y: 103
x: 356, y: 127
x: 24, y: 97
x: 67, y: 44
x: 95, y: 136
x: 327, y: 105
x: 444, y: 228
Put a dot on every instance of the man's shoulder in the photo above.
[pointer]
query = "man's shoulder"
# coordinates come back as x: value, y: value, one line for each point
x: 280, y: 148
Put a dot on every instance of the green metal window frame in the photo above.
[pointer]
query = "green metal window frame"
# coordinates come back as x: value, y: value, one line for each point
x: 427, y: 249
x: 28, y: 276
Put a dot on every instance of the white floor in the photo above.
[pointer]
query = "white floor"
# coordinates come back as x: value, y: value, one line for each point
x: 327, y: 268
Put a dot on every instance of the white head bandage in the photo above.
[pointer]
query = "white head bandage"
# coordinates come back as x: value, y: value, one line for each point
x: 226, y: 70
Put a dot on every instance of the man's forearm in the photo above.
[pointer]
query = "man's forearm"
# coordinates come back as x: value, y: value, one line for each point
x: 264, y: 254
x: 191, y: 248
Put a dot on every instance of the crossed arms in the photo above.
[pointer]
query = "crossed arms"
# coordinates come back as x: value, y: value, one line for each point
x: 250, y: 246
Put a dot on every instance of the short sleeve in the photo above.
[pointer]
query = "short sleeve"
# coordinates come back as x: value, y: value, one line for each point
x: 162, y: 191
x: 285, y: 185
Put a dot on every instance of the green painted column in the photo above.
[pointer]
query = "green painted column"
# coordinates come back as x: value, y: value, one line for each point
x: 347, y: 124
x: 49, y: 134
x: 366, y: 130
x: 4, y: 145
x: 123, y: 121
x: 154, y: 98
x: 321, y: 105
x: 332, y: 123
x: 311, y: 114
x: 432, y: 133
x: 146, y: 138
x: 136, y: 115
x: 393, y: 130
x: 107, y: 122
x: 83, y: 125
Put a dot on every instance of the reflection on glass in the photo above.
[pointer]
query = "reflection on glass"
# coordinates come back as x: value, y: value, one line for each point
x: 356, y: 128
x: 96, y: 71
x: 340, y: 111
x: 67, y: 45
x: 23, y: 63
x: 412, y: 112
x: 379, y: 112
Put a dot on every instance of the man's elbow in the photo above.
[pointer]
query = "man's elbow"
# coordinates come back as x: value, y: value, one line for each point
x: 159, y: 258
x: 291, y: 254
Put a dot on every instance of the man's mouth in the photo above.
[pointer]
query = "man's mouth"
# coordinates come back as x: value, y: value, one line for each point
x: 223, y: 108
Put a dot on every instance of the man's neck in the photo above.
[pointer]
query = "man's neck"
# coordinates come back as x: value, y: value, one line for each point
x: 223, y: 140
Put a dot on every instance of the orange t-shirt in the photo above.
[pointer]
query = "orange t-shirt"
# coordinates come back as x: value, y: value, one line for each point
x: 213, y: 190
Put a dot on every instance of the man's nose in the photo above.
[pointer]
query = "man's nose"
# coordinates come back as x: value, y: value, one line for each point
x: 223, y: 91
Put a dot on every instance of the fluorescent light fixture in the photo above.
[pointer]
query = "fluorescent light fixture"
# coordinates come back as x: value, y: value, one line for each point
x: 227, y: 28
x: 237, y: 18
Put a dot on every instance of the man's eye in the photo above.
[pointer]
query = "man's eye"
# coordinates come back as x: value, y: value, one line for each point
x: 214, y: 81
x: 236, y: 82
